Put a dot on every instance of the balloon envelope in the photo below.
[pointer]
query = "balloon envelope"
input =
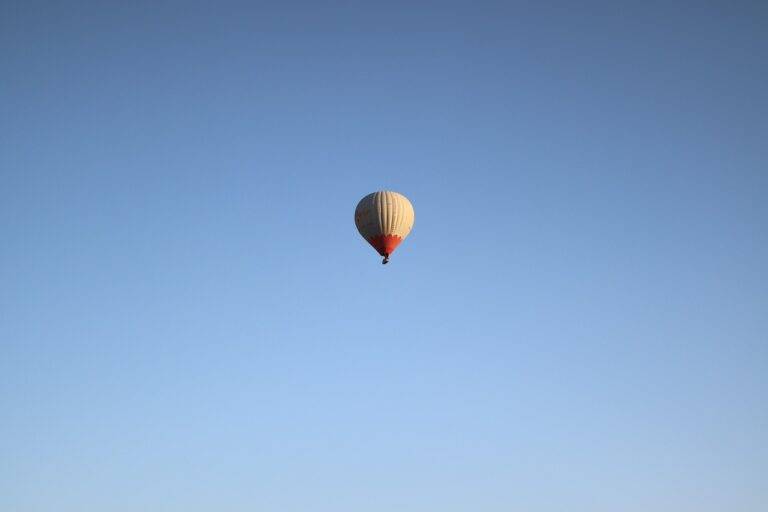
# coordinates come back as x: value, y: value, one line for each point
x: 384, y: 219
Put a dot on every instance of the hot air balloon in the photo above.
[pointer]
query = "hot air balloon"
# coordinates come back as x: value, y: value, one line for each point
x: 384, y: 219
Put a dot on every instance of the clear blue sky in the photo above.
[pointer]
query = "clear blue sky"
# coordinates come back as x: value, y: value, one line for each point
x: 189, y: 320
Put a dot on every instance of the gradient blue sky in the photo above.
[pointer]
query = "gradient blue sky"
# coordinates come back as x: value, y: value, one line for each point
x: 189, y: 320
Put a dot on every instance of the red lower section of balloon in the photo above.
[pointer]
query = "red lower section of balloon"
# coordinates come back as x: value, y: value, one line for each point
x: 385, y: 244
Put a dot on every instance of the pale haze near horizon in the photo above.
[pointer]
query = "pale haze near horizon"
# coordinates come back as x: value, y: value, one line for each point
x: 190, y: 322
